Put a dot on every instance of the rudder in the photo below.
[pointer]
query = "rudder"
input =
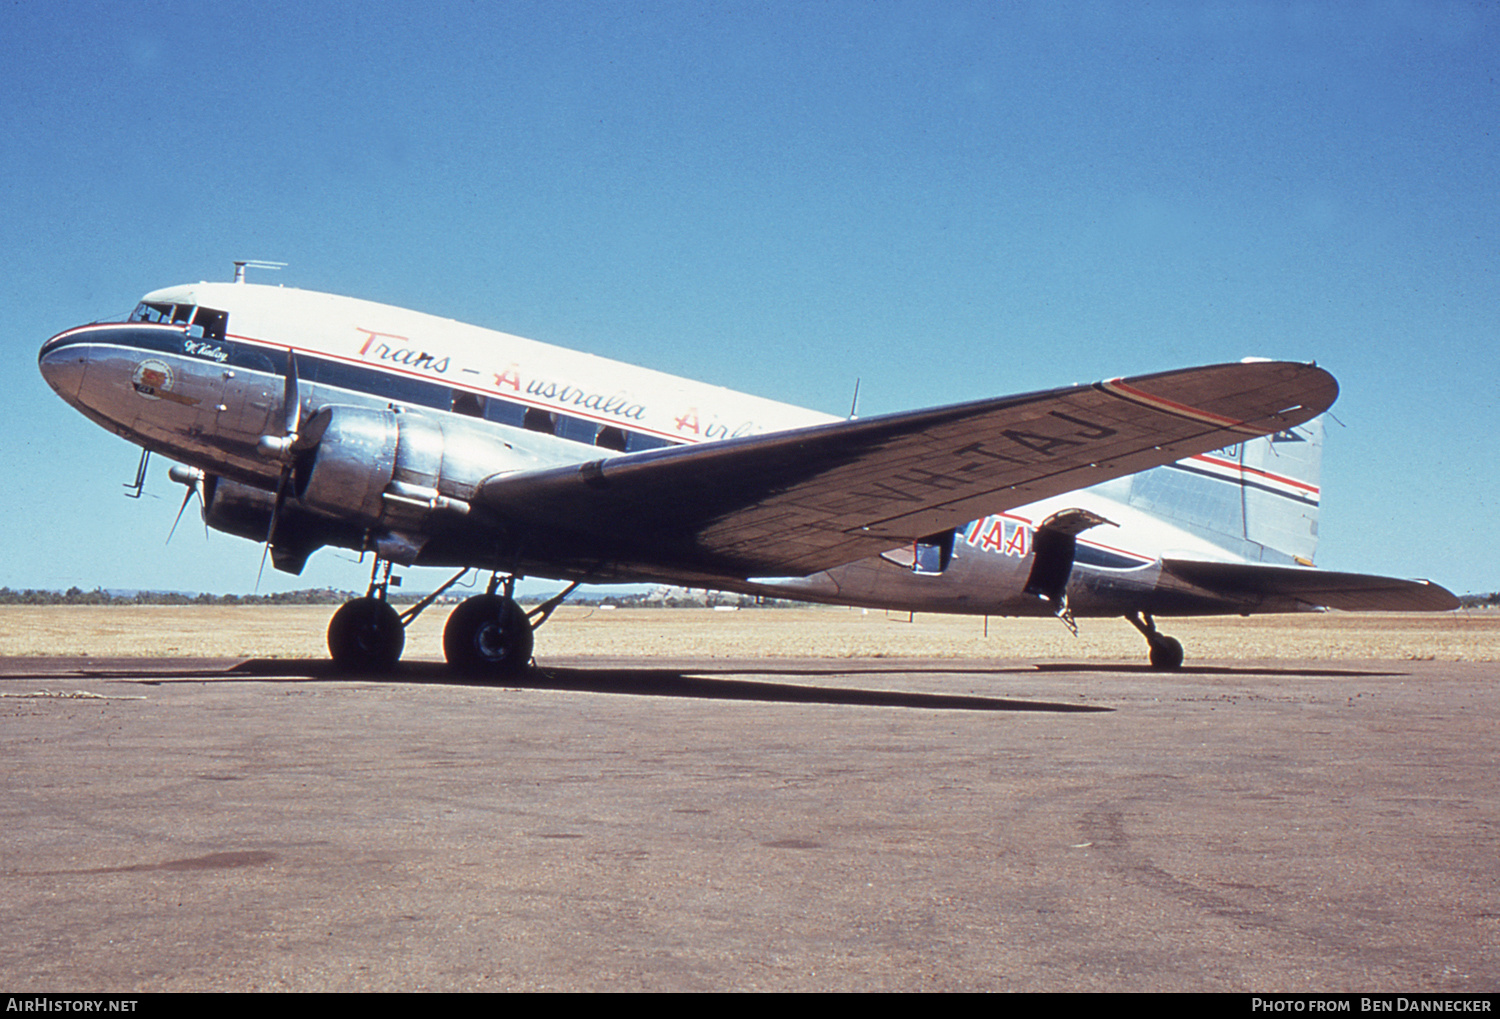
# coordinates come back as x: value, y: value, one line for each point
x: 1280, y: 485
x: 1257, y: 499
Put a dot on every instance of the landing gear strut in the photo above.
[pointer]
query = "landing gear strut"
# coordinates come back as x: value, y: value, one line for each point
x: 1166, y: 652
x: 487, y: 635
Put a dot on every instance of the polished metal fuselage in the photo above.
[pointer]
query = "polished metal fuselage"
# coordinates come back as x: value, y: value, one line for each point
x: 210, y: 401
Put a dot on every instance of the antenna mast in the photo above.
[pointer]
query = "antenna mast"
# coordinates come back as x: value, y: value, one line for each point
x: 254, y: 263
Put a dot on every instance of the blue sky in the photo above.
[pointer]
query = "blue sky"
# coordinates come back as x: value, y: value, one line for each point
x: 946, y: 200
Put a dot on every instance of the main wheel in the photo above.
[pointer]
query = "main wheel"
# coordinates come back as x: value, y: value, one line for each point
x: 488, y: 634
x: 366, y: 634
x: 1166, y: 654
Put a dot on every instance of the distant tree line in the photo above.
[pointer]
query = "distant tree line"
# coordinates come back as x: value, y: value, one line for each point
x: 99, y: 596
x: 1479, y: 601
x: 328, y: 596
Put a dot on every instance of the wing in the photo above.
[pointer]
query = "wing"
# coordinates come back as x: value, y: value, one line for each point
x: 1271, y: 588
x: 795, y: 502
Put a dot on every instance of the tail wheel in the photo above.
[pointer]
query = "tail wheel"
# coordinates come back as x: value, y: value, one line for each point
x: 488, y: 634
x: 1166, y: 654
x: 366, y: 634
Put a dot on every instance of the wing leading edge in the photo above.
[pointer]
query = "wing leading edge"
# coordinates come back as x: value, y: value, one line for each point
x: 799, y: 501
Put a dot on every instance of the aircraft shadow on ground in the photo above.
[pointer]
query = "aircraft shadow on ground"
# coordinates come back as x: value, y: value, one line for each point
x: 707, y: 684
x: 727, y: 683
x: 1213, y: 670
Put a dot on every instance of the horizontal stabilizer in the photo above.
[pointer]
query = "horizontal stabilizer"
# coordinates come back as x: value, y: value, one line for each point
x: 1254, y: 584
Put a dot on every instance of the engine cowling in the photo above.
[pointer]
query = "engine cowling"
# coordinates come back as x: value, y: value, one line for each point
x: 245, y: 511
x: 361, y: 478
x: 236, y: 509
x: 382, y: 469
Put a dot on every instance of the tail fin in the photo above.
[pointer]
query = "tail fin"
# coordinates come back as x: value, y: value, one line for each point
x: 1257, y: 499
x: 1280, y: 482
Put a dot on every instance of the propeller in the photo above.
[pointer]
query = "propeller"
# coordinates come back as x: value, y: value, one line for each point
x: 194, y: 480
x: 282, y: 447
x: 279, y: 447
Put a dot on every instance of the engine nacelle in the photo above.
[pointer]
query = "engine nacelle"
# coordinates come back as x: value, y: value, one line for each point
x: 236, y: 509
x: 245, y: 512
x: 384, y: 469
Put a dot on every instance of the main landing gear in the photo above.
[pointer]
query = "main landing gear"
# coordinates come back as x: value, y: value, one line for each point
x: 1166, y: 652
x: 489, y: 635
x: 366, y: 634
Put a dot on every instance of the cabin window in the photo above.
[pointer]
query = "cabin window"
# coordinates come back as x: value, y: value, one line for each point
x: 255, y: 359
x: 470, y: 404
x: 404, y: 390
x: 538, y: 420
x: 610, y: 437
x: 929, y: 559
x: 395, y: 388
x: 930, y: 555
x: 270, y: 360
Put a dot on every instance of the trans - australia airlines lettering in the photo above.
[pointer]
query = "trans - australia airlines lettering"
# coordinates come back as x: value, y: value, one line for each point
x: 377, y: 347
x: 617, y: 404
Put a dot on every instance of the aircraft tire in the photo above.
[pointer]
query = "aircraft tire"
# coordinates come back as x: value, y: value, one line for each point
x: 488, y: 635
x: 1166, y: 654
x: 366, y: 634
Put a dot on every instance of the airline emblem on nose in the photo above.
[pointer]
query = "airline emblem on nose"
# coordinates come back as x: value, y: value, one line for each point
x: 153, y: 379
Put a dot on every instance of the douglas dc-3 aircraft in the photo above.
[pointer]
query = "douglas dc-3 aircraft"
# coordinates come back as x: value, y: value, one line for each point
x: 306, y: 419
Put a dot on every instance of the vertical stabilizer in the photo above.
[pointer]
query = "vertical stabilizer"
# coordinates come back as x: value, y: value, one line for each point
x: 1281, y: 490
x: 1256, y: 499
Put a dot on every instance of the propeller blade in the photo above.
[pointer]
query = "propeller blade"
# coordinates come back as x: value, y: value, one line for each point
x: 286, y: 474
x: 186, y: 498
x: 192, y: 479
x: 281, y: 447
x: 291, y: 399
x: 284, y: 448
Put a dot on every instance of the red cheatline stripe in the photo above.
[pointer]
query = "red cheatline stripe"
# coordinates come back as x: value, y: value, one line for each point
x: 1120, y: 389
x: 1253, y: 470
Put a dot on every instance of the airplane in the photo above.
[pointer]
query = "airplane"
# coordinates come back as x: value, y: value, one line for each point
x: 302, y: 420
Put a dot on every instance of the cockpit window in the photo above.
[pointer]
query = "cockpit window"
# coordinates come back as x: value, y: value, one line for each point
x: 147, y: 312
x: 205, y: 323
x: 209, y: 324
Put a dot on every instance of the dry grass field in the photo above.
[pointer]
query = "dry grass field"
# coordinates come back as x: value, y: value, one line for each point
x: 298, y: 632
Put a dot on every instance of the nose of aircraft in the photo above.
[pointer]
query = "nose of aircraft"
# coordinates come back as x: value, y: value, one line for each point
x: 63, y: 368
